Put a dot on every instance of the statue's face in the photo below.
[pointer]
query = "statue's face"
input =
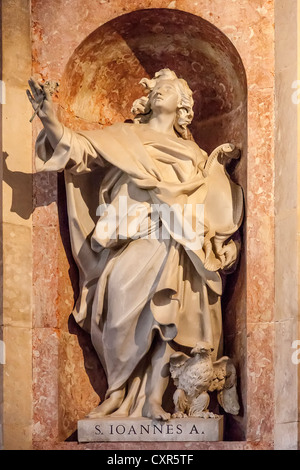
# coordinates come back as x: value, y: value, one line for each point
x: 164, y: 97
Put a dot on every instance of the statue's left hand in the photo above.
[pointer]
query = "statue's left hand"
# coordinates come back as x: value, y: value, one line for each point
x: 229, y: 254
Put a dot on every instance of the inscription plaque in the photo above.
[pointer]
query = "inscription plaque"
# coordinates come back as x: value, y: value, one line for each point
x: 144, y: 429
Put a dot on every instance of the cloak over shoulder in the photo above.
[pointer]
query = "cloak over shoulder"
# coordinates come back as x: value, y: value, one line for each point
x: 177, y: 295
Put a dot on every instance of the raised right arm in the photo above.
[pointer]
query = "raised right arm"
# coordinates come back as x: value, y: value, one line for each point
x: 58, y: 147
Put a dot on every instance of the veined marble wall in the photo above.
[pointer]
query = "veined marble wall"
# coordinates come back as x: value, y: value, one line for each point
x: 286, y: 205
x: 51, y: 376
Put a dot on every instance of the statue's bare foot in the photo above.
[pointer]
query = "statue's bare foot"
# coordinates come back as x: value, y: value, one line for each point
x: 156, y: 412
x: 108, y: 406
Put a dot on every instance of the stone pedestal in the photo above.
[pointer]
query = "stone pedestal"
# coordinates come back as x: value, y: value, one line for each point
x: 144, y: 429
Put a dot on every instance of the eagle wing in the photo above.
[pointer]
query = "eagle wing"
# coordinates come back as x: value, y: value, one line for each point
x: 224, y: 382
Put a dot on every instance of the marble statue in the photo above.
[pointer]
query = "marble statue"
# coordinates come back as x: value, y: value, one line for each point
x: 151, y: 241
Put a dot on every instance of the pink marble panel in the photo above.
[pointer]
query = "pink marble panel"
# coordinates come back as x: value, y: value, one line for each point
x: 45, y: 276
x: 45, y: 199
x: 261, y: 153
x: 250, y: 27
x: 45, y: 384
x: 81, y: 379
x: 72, y: 20
x: 260, y: 390
x: 260, y: 268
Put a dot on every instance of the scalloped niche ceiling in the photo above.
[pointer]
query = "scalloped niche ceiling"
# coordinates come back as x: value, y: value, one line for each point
x: 101, y: 79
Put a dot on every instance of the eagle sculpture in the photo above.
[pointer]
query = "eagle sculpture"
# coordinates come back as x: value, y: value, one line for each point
x: 196, y: 376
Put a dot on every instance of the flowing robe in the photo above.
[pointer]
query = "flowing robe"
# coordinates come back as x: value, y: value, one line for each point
x: 134, y: 285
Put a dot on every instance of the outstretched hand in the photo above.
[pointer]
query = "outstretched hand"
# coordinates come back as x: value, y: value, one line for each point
x: 40, y: 99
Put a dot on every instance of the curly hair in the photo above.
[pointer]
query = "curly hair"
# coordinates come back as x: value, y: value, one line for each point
x: 141, y: 107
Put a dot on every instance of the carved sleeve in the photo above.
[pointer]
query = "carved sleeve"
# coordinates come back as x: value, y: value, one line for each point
x: 74, y: 153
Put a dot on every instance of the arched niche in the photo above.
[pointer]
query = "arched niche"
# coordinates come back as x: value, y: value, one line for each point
x: 101, y: 81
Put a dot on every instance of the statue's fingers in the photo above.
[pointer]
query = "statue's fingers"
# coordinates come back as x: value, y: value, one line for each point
x: 46, y: 92
x: 37, y: 86
x: 30, y: 97
x: 32, y: 100
x: 35, y: 89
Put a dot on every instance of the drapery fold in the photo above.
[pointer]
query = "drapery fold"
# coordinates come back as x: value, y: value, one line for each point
x: 134, y: 284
